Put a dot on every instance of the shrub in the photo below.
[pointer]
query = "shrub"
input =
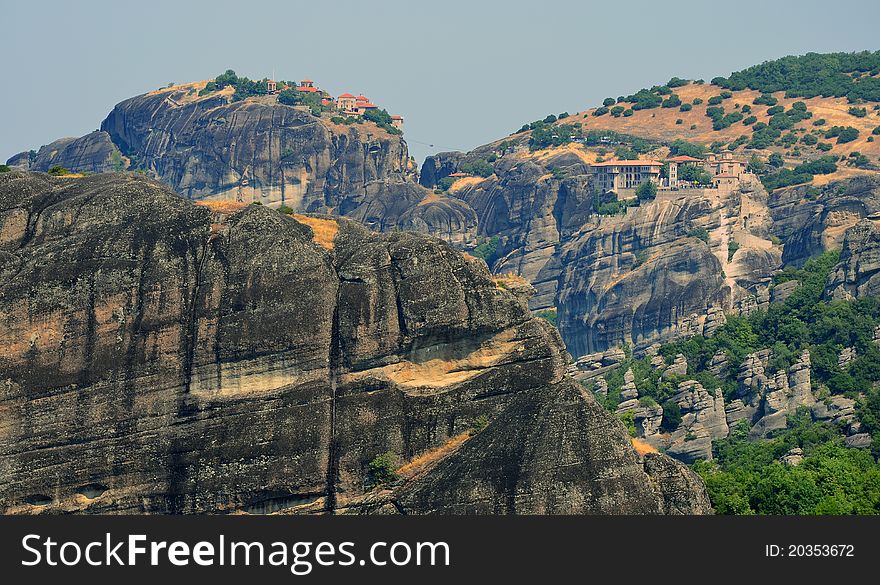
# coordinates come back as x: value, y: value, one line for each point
x: 445, y: 183
x: 819, y: 122
x: 480, y: 423
x: 746, y: 109
x: 714, y: 100
x: 627, y: 113
x: 809, y: 139
x: 549, y: 119
x: 686, y: 108
x: 824, y: 146
x: 750, y: 120
x: 685, y: 148
x: 671, y: 416
x: 699, y: 233
x: 876, y: 131
x: 858, y: 112
x: 844, y: 134
x: 679, y: 121
x: 548, y: 315
x: 697, y: 101
x: 479, y: 167
x: 285, y: 210
x: 772, y: 111
x: 732, y: 247
x: 676, y: 82
x: 600, y: 111
x: 725, y: 95
x: 4, y: 169
x: 765, y: 99
x: 823, y: 165
x: 58, y: 171
x: 616, y: 111
x: 382, y: 469
x: 775, y: 160
x: 607, y: 102
x: 488, y: 250
x: 672, y: 101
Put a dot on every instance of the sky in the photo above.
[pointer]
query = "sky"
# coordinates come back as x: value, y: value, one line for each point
x: 462, y: 73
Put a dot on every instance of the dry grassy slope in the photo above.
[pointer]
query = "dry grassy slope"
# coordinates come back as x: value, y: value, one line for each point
x: 660, y: 124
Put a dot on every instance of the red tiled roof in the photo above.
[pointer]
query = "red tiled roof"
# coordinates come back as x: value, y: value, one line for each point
x: 397, y: 117
x: 628, y: 163
x: 307, y: 81
x: 458, y: 174
x: 367, y: 106
x: 363, y: 98
x: 346, y: 95
x: 684, y: 158
x: 308, y: 89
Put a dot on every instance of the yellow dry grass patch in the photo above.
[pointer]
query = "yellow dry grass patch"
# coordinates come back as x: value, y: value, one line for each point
x: 430, y: 198
x: 323, y: 230
x: 642, y: 448
x: 445, y: 370
x: 224, y: 206
x: 842, y: 173
x: 71, y: 176
x: 588, y: 157
x: 432, y: 456
x: 463, y: 182
x: 509, y: 280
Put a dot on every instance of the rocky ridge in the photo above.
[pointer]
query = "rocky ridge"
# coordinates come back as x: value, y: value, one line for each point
x: 165, y: 357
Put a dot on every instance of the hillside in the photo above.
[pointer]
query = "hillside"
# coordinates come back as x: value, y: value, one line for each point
x: 790, y: 106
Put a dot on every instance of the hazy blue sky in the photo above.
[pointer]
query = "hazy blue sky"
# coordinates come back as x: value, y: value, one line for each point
x: 462, y: 73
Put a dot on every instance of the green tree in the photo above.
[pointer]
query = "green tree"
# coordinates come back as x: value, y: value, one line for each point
x: 646, y: 191
x: 382, y: 469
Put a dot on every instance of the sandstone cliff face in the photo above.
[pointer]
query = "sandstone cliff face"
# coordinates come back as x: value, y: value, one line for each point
x: 92, y: 153
x: 811, y: 224
x: 531, y: 210
x: 858, y: 272
x: 640, y: 279
x: 161, y: 357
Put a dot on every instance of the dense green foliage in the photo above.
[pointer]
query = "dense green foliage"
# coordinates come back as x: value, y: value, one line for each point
x: 813, y: 74
x: 58, y: 171
x: 843, y: 134
x: 4, y: 169
x: 382, y: 469
x: 685, y: 148
x: 646, y: 191
x: 382, y: 119
x: 747, y: 477
x: 479, y: 167
x: 488, y: 250
x: 803, y: 173
x: 545, y: 135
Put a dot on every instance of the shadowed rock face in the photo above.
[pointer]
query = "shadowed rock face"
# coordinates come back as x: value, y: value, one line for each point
x: 162, y: 357
x: 857, y: 274
x: 640, y: 279
x: 810, y: 226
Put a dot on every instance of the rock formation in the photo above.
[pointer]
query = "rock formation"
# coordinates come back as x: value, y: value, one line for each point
x: 164, y: 357
x: 703, y: 421
x: 858, y: 272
